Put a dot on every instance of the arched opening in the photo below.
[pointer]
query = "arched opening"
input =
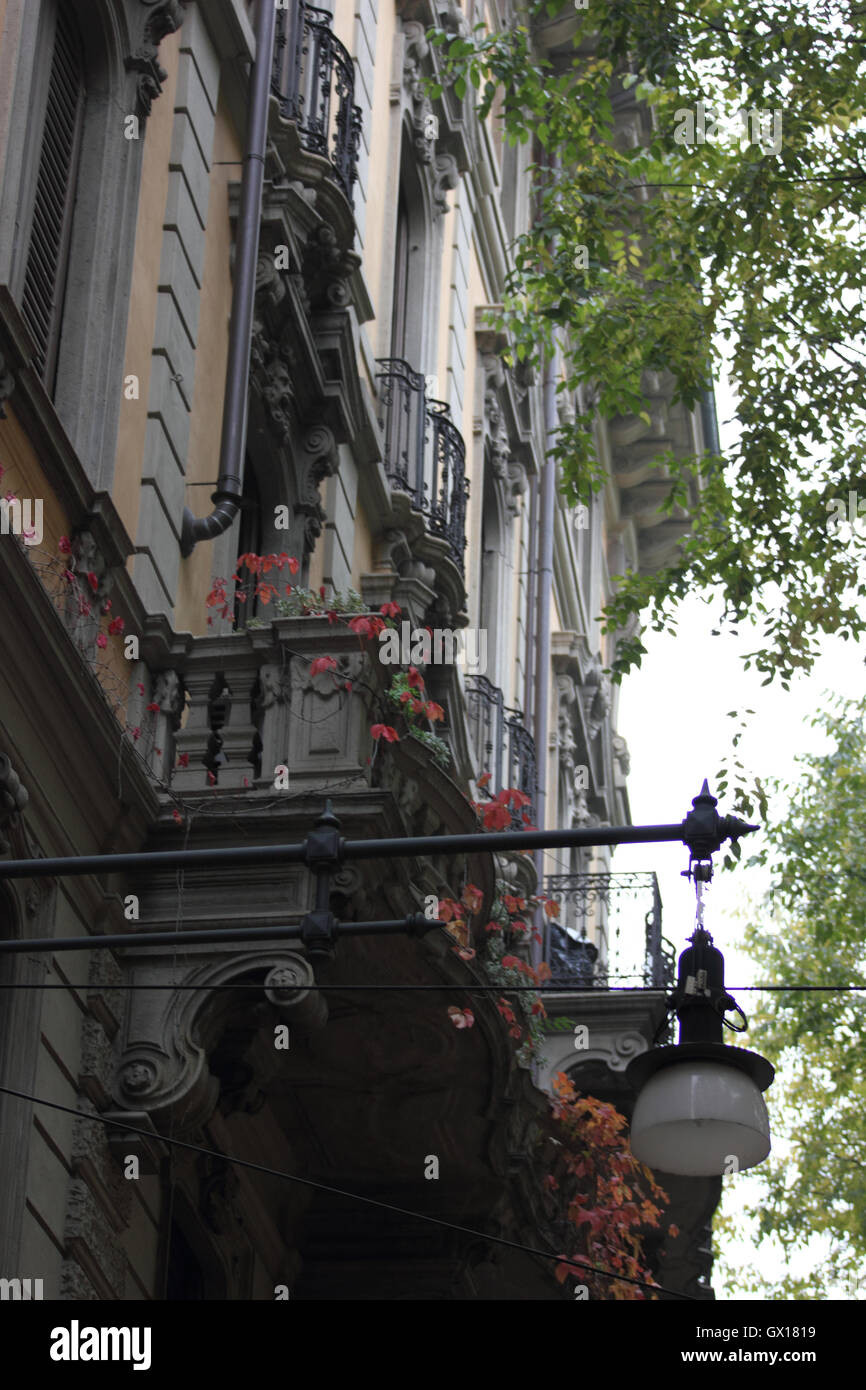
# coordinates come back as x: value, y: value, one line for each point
x: 490, y: 601
x: 410, y: 299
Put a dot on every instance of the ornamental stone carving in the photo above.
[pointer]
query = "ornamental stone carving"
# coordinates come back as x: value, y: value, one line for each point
x: 597, y: 698
x: 13, y: 797
x: 319, y: 460
x: 171, y: 1033
x: 446, y: 175
x: 621, y: 754
x: 274, y: 686
x: 169, y: 695
x: 219, y: 1196
x: 424, y: 123
x: 164, y: 18
x: 328, y: 268
x: 137, y: 1078
x: 506, y: 468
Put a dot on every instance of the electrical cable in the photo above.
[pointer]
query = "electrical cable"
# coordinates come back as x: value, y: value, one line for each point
x: 341, y: 1192
x: 453, y: 984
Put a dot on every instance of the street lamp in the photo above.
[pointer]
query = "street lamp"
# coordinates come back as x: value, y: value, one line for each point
x: 700, y: 1111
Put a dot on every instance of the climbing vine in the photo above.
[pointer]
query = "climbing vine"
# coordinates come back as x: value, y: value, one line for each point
x: 611, y: 1201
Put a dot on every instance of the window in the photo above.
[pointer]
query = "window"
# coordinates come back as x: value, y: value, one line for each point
x: 401, y: 281
x: 51, y: 222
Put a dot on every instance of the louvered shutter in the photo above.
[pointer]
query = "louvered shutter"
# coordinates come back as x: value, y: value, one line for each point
x: 48, y: 252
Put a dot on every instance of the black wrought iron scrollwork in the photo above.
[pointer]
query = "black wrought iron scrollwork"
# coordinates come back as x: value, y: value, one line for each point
x: 503, y: 744
x: 608, y: 904
x: 314, y: 81
x: 425, y: 455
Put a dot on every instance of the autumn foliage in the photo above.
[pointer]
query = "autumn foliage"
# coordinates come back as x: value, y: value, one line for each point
x: 611, y: 1200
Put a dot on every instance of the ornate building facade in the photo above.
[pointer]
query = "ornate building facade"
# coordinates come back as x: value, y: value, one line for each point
x: 394, y: 456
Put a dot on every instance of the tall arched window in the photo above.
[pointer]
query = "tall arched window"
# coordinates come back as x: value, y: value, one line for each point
x: 491, y: 600
x: 47, y: 260
x: 401, y: 281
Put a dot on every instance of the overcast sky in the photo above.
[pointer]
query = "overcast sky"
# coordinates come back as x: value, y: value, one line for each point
x: 673, y: 714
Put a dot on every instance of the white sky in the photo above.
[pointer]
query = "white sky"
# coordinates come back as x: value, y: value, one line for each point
x: 673, y: 714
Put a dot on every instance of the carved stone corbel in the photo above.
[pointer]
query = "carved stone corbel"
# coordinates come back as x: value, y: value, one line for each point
x: 320, y: 459
x: 169, y: 695
x: 171, y: 1035
x: 86, y: 597
x: 424, y: 123
x: 13, y: 798
x: 327, y: 269
x: 446, y: 175
x: 164, y: 18
x: 621, y: 754
x: 506, y: 468
x: 597, y: 698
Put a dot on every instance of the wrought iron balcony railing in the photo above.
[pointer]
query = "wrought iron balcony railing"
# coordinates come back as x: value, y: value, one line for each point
x: 504, y: 745
x: 609, y: 904
x: 314, y: 80
x: 425, y: 455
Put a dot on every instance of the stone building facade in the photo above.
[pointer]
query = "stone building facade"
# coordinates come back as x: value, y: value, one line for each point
x: 390, y: 451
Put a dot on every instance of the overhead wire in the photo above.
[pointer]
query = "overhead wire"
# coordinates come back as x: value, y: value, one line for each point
x: 573, y: 1260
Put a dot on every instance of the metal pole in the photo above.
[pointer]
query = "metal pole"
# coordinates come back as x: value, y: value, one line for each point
x: 415, y: 925
x: 229, y: 489
x: 484, y: 842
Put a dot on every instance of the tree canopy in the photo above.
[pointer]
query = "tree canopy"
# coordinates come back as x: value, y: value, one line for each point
x: 814, y: 1182
x: 731, y: 232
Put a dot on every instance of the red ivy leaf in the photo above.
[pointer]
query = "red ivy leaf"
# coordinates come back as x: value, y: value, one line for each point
x: 323, y: 663
x: 386, y: 732
x: 472, y: 898
x: 496, y: 817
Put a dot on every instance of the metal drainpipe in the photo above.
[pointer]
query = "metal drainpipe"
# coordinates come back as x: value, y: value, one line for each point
x: 710, y: 421
x: 544, y: 583
x: 229, y: 489
x: 529, y: 668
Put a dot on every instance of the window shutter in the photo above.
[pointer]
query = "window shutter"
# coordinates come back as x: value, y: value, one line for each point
x: 48, y: 252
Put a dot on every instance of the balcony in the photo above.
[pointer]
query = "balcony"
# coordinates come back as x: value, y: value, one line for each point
x: 504, y: 746
x: 619, y: 955
x: 314, y: 82
x: 425, y: 456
